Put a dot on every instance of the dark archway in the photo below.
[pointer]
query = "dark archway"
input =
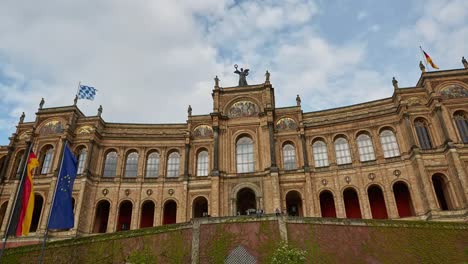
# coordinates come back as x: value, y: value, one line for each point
x: 403, y: 199
x: 200, y: 207
x: 351, y: 201
x: 125, y: 216
x: 294, y: 203
x: 73, y: 204
x: 102, y: 217
x: 170, y: 213
x: 3, y: 212
x: 147, y: 214
x: 439, y: 182
x: 377, y: 202
x: 327, y: 204
x: 246, y: 201
x: 36, y: 216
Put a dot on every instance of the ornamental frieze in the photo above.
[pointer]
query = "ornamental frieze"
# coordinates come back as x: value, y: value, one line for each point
x: 243, y: 109
x: 453, y: 91
x: 203, y: 131
x: 52, y: 127
x: 286, y: 123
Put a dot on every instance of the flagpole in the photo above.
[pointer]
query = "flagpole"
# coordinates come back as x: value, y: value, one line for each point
x: 41, y: 257
x: 78, y: 89
x: 15, y: 201
x: 424, y: 58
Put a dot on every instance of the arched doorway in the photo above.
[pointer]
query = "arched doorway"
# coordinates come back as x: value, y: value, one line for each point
x: 147, y: 214
x: 36, y: 216
x: 439, y: 182
x: 294, y: 203
x: 200, y: 207
x: 102, y: 216
x: 170, y: 213
x: 246, y: 201
x: 125, y: 216
x: 327, y: 204
x: 377, y: 202
x: 2, y: 212
x: 351, y: 201
x: 403, y: 199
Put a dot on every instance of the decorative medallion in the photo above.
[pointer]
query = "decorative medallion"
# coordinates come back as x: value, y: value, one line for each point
x: 25, y: 135
x: 347, y: 179
x: 453, y: 91
x: 286, y: 123
x: 203, y: 131
x: 324, y: 182
x: 84, y: 130
x: 371, y: 176
x: 105, y: 192
x: 127, y: 192
x: 149, y: 192
x: 52, y: 127
x: 170, y: 192
x: 397, y: 172
x: 243, y: 109
x: 414, y: 101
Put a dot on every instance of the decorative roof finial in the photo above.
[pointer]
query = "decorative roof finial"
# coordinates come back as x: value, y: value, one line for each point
x: 22, y: 118
x: 99, y: 111
x: 421, y: 66
x: 395, y: 83
x: 189, y: 110
x: 242, y: 75
x: 216, y: 79
x: 267, y: 77
x: 298, y: 100
x: 465, y: 63
x: 41, y: 104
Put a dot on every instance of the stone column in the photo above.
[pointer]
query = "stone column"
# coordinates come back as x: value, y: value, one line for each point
x: 304, y: 153
x: 438, y: 110
x: 365, y: 205
x: 425, y: 186
x: 89, y: 158
x: 409, y: 130
x: 309, y: 203
x: 214, y: 197
x: 216, y: 151
x: 390, y: 203
x: 272, y: 145
x: 186, y: 161
x: 460, y: 178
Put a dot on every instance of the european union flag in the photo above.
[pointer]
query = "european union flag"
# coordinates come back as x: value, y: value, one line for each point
x: 61, y: 216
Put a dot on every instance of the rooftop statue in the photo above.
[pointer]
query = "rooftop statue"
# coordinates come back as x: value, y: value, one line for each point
x: 242, y: 75
x: 395, y: 83
x: 465, y: 63
x: 421, y: 66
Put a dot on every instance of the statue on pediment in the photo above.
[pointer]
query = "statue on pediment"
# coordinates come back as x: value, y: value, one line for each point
x: 242, y: 75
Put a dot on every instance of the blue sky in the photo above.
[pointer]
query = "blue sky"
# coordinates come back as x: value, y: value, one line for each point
x: 151, y: 59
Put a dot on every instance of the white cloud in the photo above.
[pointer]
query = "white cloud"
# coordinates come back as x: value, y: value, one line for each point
x: 361, y: 15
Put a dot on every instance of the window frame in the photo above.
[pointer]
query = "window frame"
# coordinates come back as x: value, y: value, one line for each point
x: 203, y: 163
x: 389, y: 143
x: 155, y: 165
x: 320, y: 154
x: 173, y: 165
x: 131, y: 165
x: 245, y: 160
x: 289, y: 156
x: 343, y: 155
x: 365, y: 147
x: 112, y: 162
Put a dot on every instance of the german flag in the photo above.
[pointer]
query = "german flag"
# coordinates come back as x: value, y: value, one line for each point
x: 429, y: 60
x: 27, y: 204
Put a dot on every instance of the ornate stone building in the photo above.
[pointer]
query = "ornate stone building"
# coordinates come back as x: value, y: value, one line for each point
x: 400, y: 157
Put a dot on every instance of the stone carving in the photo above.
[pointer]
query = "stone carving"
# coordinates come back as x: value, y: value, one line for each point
x: 267, y: 77
x: 25, y: 135
x: 149, y: 192
x: 99, y: 111
x: 41, y: 104
x: 85, y: 130
x: 203, y: 131
x: 189, y: 110
x: 395, y: 83
x: 242, y: 75
x: 465, y: 63
x: 397, y: 173
x: 298, y: 100
x: 243, y: 109
x: 22, y: 118
x: 414, y: 101
x: 421, y: 66
x: 216, y: 79
x: 127, y: 192
x: 324, y: 182
x: 105, y: 192
x: 171, y: 192
x: 52, y: 127
x: 371, y: 176
x: 347, y: 179
x: 286, y: 123
x: 453, y: 91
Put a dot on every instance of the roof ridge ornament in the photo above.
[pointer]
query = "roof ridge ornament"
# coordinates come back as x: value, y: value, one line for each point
x: 242, y: 75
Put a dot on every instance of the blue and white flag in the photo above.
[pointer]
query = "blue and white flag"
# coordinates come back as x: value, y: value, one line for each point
x: 61, y: 216
x: 86, y: 92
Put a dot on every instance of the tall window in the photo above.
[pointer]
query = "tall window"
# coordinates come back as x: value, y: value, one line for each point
x: 289, y: 157
x: 131, y: 165
x: 320, y: 153
x: 389, y: 144
x: 82, y: 153
x: 343, y: 156
x: 110, y: 165
x: 245, y: 155
x: 47, y: 160
x: 202, y: 163
x: 152, y: 165
x: 18, y: 164
x: 173, y: 165
x: 461, y: 120
x: 366, y: 150
x: 423, y: 134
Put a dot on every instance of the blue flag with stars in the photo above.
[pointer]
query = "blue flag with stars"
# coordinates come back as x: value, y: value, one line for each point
x: 61, y: 216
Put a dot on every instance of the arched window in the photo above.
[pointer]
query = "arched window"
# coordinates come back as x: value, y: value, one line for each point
x: 82, y: 153
x: 289, y: 157
x: 152, y: 165
x: 343, y: 156
x: 366, y: 150
x: 461, y: 120
x: 422, y: 131
x: 110, y: 165
x: 18, y: 164
x: 245, y: 155
x: 131, y: 165
x: 202, y: 163
x: 173, y: 164
x: 389, y: 144
x: 47, y: 156
x: 320, y: 153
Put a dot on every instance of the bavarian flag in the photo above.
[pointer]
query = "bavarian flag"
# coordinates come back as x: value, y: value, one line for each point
x: 429, y: 60
x: 27, y: 204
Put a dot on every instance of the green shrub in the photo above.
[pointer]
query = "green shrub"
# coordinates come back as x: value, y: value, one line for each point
x: 286, y: 254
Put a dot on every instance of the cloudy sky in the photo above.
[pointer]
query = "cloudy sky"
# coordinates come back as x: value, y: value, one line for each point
x: 151, y: 59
